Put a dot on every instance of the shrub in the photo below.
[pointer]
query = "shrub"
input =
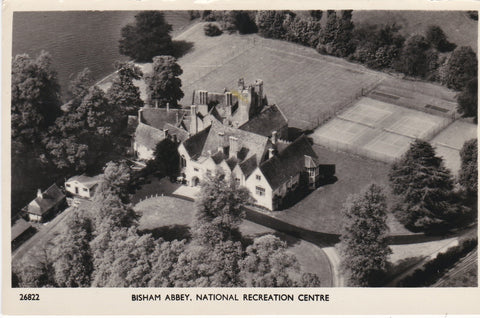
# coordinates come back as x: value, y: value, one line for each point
x: 211, y: 29
x: 435, y: 268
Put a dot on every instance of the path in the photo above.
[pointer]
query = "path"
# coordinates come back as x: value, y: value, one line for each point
x: 41, y: 237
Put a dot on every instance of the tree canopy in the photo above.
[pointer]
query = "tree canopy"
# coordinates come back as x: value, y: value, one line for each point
x: 468, y: 174
x: 149, y: 36
x: 364, y: 247
x: 123, y: 93
x: 468, y: 100
x: 461, y: 67
x: 425, y: 188
x: 164, y: 84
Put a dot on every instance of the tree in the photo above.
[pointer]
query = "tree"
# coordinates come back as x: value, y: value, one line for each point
x: 245, y: 21
x: 425, y: 187
x: 149, y: 36
x: 268, y: 264
x: 166, y: 258
x: 35, y: 97
x: 329, y: 33
x: 202, y: 265
x: 343, y: 41
x: 115, y: 180
x: 437, y: 38
x: 166, y: 159
x: 36, y: 269
x: 270, y: 23
x: 73, y: 261
x: 413, y: 57
x: 468, y: 174
x: 123, y: 94
x: 302, y: 30
x: 127, y: 261
x: 461, y: 67
x: 467, y: 100
x: 364, y: 246
x: 211, y: 29
x: 316, y: 14
x: 164, y: 84
x: 78, y: 87
x: 219, y: 209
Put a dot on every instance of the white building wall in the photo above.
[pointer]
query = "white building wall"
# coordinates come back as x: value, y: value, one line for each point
x: 253, y: 182
x: 143, y: 153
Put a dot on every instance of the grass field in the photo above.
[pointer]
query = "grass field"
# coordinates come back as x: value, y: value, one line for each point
x: 307, y: 86
x: 449, y: 142
x: 173, y: 215
x: 321, y: 210
x: 460, y: 29
x: 378, y: 130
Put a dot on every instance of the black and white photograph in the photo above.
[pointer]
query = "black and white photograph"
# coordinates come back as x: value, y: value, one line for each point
x: 320, y: 148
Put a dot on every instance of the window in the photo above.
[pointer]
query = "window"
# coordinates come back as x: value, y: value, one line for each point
x: 85, y: 189
x: 258, y: 177
x: 68, y: 185
x: 311, y: 172
x: 195, y: 169
x: 260, y: 191
x: 183, y: 161
x: 209, y: 172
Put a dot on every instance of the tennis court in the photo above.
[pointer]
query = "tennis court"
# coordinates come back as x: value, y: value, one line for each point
x: 378, y: 129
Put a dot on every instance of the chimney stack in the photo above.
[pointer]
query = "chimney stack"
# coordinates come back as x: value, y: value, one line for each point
x: 233, y: 143
x: 271, y: 152
x: 274, y: 137
x: 39, y: 194
x: 194, y: 120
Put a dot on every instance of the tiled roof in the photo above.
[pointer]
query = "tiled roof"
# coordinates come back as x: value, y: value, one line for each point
x: 50, y: 197
x: 271, y: 118
x: 19, y: 228
x: 87, y: 181
x: 247, y: 166
x: 249, y: 144
x: 194, y: 144
x: 287, y: 163
x: 148, y: 136
x: 181, y: 133
x: 158, y: 117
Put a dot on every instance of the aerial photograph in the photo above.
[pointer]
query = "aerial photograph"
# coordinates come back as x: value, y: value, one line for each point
x: 244, y: 148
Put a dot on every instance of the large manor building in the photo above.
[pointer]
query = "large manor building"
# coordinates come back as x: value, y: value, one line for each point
x: 237, y: 133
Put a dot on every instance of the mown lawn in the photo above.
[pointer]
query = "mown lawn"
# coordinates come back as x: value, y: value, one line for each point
x: 169, y: 216
x: 321, y: 210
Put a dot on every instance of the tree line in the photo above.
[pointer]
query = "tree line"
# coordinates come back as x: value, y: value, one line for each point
x: 101, y: 246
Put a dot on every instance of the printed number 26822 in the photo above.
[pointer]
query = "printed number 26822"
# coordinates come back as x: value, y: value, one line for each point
x: 29, y: 296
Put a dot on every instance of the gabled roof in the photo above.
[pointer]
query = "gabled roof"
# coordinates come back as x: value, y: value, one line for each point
x: 87, y: 181
x: 181, y: 133
x: 287, y: 163
x: 19, y: 228
x: 148, y: 136
x: 158, y: 117
x: 50, y: 197
x: 249, y: 144
x: 247, y: 166
x: 194, y: 144
x: 269, y: 119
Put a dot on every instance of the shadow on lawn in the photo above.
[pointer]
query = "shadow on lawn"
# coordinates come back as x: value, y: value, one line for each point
x: 180, y: 48
x: 169, y: 232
